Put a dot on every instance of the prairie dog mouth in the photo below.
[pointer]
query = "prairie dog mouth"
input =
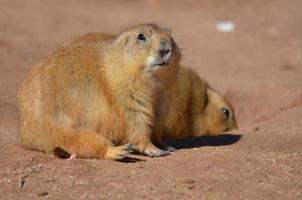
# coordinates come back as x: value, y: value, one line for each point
x: 153, y: 61
x: 160, y: 64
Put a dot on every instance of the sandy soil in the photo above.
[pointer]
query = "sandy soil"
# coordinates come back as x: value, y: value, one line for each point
x: 258, y: 67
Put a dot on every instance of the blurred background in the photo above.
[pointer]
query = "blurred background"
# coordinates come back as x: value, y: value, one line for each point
x: 248, y: 50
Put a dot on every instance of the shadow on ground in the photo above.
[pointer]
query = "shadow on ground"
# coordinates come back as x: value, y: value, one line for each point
x: 219, y: 140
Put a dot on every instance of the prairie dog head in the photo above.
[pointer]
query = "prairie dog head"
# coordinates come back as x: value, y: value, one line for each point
x: 218, y: 116
x: 148, y: 47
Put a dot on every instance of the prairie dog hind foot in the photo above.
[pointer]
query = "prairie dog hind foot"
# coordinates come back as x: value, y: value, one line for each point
x: 119, y: 152
x: 112, y: 152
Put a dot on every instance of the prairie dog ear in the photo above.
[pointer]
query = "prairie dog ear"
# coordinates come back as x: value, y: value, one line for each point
x: 123, y: 39
x: 166, y: 29
x: 211, y: 93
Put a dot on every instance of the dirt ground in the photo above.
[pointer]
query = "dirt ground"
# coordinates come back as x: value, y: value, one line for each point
x: 258, y: 67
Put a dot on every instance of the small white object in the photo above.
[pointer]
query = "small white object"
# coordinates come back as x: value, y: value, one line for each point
x: 225, y: 26
x: 72, y: 157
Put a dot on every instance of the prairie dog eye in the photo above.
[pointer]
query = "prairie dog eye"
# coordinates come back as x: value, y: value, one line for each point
x: 226, y: 113
x: 141, y: 37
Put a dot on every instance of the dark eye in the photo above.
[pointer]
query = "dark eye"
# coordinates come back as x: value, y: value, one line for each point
x: 141, y: 37
x: 226, y: 113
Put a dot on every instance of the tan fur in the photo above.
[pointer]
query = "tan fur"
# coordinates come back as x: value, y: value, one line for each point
x: 94, y: 38
x: 195, y: 108
x: 90, y: 98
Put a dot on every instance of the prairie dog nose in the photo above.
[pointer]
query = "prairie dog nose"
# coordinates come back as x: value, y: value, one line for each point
x: 164, y: 48
x: 164, y: 52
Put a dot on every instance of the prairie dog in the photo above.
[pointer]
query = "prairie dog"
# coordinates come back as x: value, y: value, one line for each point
x: 95, y: 99
x: 196, y: 109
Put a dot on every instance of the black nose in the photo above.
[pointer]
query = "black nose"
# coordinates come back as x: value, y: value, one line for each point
x: 164, y: 52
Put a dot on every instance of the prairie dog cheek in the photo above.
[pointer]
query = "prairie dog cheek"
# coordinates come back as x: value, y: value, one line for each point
x: 150, y: 61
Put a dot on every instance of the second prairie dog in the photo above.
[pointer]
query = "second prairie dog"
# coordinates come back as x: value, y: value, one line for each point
x: 93, y: 100
x: 195, y: 109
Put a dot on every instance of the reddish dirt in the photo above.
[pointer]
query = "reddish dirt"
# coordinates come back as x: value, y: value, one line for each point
x: 258, y: 67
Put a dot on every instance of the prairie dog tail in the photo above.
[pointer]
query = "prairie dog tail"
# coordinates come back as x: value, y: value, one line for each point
x: 89, y: 145
x: 63, y: 143
x: 61, y: 153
